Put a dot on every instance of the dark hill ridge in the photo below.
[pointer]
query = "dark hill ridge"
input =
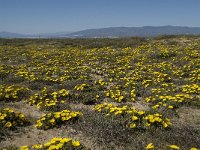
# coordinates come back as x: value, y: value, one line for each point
x: 146, y: 31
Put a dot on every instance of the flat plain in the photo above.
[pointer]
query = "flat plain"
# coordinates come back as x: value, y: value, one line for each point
x: 123, y: 94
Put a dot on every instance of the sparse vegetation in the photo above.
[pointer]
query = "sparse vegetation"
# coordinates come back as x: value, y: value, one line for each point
x: 125, y: 93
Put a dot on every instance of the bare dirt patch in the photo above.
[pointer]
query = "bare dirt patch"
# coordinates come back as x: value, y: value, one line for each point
x: 188, y: 117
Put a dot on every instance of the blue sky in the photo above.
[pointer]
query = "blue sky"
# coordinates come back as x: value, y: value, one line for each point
x: 49, y: 16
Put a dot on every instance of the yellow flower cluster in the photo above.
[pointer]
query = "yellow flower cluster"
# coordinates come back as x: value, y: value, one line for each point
x: 48, y: 100
x: 156, y: 120
x: 54, y: 119
x: 135, y: 70
x: 147, y: 83
x: 60, y: 94
x: 150, y: 146
x: 57, y: 144
x: 81, y: 87
x: 137, y: 118
x: 22, y: 72
x: 191, y: 89
x: 9, y: 119
x: 168, y: 101
x: 101, y: 82
x: 11, y: 93
x: 165, y: 88
x: 116, y: 95
x: 195, y: 75
x: 5, y: 70
x: 50, y: 65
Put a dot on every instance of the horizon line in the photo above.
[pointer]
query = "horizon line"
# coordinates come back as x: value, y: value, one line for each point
x: 59, y: 32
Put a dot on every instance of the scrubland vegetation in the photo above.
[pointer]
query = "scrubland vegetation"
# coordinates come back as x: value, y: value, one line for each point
x: 79, y: 94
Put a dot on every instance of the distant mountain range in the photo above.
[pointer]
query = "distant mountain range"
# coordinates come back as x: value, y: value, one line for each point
x: 11, y: 35
x: 42, y: 35
x: 146, y: 31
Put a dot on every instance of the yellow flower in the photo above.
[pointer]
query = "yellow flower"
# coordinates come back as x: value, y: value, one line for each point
x: 107, y: 94
x: 134, y: 118
x: 174, y: 147
x: 8, y: 124
x: 155, y: 106
x: 47, y: 144
x: 141, y: 112
x: 52, y: 120
x: 193, y: 148
x: 24, y: 147
x: 2, y: 117
x: 60, y: 145
x: 10, y: 111
x: 147, y: 124
x: 57, y: 116
x: 65, y: 140
x: 43, y: 118
x: 53, y: 147
x: 6, y: 109
x: 39, y: 146
x: 132, y: 125
x: 21, y: 115
x: 76, y: 143
x: 165, y: 125
x: 39, y: 124
x: 150, y: 146
x: 118, y: 112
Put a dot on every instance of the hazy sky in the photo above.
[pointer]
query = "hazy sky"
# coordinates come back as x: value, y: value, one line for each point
x: 48, y: 16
